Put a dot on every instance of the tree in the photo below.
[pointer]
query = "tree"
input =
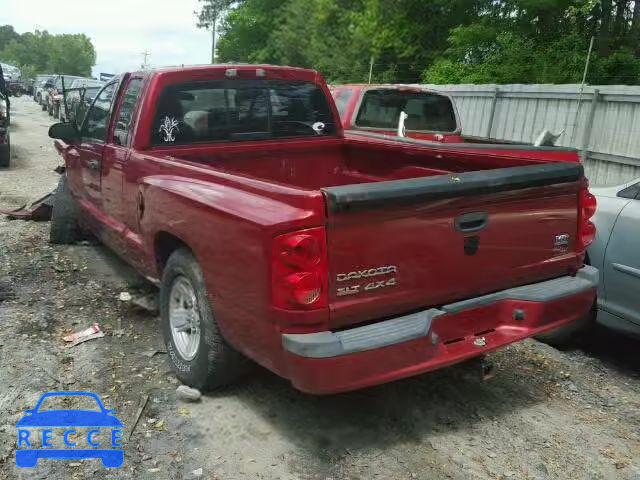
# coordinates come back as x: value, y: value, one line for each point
x: 41, y: 52
x: 208, y: 16
x: 72, y: 54
x: 29, y: 49
x: 439, y: 41
x: 7, y: 34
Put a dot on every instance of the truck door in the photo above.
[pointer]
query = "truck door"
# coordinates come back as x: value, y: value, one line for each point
x: 114, y: 159
x: 622, y: 265
x: 90, y: 150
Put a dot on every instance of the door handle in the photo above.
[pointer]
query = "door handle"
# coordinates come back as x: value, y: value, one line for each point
x: 94, y: 164
x: 471, y: 222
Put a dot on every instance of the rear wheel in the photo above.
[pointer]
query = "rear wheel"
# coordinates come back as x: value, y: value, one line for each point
x: 199, y: 354
x: 64, y: 219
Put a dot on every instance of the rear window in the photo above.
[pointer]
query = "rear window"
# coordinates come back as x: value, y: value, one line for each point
x: 426, y: 111
x: 207, y: 112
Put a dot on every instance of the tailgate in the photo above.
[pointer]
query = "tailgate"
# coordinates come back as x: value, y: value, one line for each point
x: 406, y: 244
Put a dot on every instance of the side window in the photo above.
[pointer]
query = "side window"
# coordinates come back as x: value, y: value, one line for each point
x: 632, y: 192
x: 97, y: 119
x: 121, y: 131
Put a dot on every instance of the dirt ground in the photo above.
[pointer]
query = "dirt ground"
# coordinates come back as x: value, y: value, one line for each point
x: 571, y: 414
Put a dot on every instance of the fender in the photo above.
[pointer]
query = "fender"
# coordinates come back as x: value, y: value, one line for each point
x: 229, y: 230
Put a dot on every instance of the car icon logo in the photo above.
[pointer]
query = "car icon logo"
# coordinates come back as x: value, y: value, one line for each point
x: 60, y: 429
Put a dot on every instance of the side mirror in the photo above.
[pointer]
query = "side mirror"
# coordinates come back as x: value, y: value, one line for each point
x: 64, y: 131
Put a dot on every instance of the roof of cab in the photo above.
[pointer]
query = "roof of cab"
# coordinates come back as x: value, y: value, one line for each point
x: 406, y: 86
x: 277, y: 71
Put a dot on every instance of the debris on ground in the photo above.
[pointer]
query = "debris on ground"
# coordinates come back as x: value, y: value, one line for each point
x: 40, y: 210
x: 141, y: 404
x: 147, y: 302
x: 152, y: 353
x: 124, y: 297
x: 83, y: 336
x: 188, y: 394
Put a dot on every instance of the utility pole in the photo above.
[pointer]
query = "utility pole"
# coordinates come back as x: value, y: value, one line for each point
x: 207, y: 17
x: 214, y: 41
x: 584, y: 80
x: 370, y: 69
x: 145, y: 55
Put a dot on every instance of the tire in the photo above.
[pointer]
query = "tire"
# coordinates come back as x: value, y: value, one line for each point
x: 64, y: 218
x: 5, y: 154
x: 215, y: 363
x: 566, y: 336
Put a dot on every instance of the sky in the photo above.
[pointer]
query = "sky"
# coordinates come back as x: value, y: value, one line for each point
x: 120, y: 29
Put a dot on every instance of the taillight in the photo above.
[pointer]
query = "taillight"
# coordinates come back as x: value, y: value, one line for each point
x: 299, y: 265
x: 587, y: 209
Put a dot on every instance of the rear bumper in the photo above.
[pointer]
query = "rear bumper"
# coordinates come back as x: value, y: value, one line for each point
x: 330, y: 362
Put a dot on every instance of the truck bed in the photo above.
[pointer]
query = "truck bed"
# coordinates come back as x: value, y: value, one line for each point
x: 313, y: 165
x: 444, y: 224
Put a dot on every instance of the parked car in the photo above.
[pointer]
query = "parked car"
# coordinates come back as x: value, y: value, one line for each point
x: 16, y: 88
x: 616, y: 253
x: 336, y: 262
x: 78, y: 98
x: 403, y: 110
x: 47, y: 88
x: 38, y: 86
x: 54, y: 97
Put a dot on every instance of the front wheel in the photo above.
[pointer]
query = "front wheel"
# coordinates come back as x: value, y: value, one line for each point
x: 197, y: 351
x: 64, y: 218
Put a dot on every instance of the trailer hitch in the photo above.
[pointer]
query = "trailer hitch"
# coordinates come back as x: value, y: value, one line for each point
x: 477, y: 368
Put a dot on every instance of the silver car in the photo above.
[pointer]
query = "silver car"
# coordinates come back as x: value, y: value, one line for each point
x: 616, y: 253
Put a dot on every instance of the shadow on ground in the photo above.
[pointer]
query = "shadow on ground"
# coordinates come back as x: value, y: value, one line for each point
x: 616, y: 350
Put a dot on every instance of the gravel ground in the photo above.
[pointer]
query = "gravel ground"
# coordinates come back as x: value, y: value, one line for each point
x: 571, y: 414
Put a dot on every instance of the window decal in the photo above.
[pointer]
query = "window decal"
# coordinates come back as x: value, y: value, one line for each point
x: 318, y: 127
x: 169, y: 128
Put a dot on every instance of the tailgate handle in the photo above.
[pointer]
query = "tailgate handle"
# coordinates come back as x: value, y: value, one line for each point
x: 472, y: 222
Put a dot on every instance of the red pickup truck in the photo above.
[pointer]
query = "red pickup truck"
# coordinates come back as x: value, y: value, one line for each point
x: 428, y: 115
x: 336, y: 263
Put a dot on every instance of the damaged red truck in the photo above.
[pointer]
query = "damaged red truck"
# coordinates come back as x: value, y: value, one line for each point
x: 337, y: 263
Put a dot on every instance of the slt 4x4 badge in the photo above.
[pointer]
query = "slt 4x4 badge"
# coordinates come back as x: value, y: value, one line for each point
x: 41, y: 421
